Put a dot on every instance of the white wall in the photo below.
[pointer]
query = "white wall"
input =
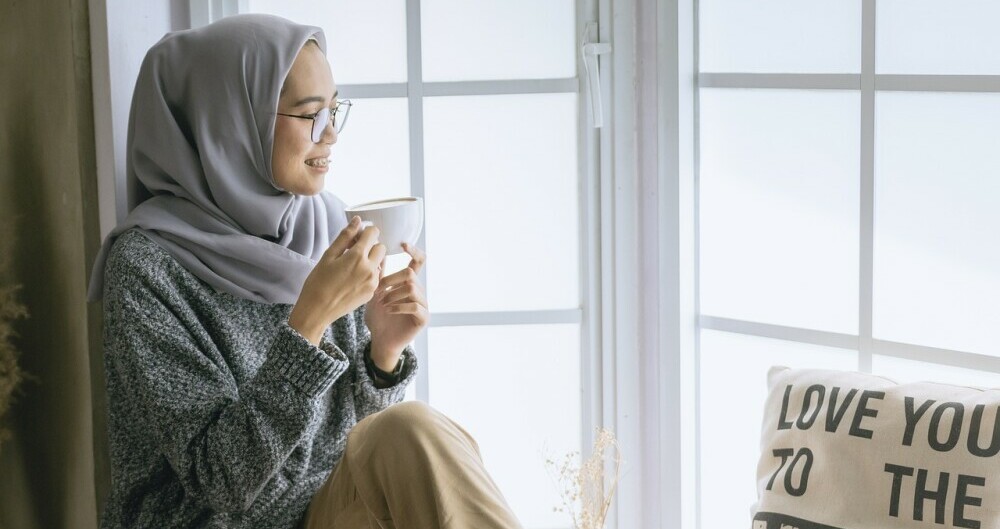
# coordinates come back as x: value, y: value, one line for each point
x: 120, y: 33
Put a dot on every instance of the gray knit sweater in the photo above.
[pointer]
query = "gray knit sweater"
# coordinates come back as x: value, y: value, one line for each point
x: 221, y: 415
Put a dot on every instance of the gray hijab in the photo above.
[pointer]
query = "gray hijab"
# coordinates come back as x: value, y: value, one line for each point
x: 199, y: 145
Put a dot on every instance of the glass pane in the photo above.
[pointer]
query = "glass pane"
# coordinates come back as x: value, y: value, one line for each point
x: 937, y: 261
x: 498, y: 39
x: 366, y: 41
x: 779, y: 207
x: 516, y: 389
x: 780, y: 36
x: 733, y: 391
x: 502, y: 202
x: 933, y: 37
x: 903, y: 370
x: 371, y: 159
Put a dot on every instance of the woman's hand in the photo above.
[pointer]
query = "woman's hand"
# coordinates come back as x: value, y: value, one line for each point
x: 344, y: 278
x: 398, y: 311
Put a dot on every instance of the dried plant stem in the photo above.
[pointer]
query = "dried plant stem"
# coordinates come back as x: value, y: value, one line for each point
x: 585, y: 493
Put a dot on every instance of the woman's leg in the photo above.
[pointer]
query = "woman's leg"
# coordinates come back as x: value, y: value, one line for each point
x: 410, y: 467
x: 337, y: 504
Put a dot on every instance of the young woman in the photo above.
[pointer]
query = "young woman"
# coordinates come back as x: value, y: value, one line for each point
x: 256, y: 356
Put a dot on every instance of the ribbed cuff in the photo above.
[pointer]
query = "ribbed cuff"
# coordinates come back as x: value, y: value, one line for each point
x: 307, y: 367
x: 381, y: 398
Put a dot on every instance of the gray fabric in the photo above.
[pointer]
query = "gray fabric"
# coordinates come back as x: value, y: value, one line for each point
x: 220, y: 414
x: 200, y: 135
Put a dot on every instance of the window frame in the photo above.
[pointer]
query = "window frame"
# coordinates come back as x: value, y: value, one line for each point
x: 649, y: 221
x: 868, y: 83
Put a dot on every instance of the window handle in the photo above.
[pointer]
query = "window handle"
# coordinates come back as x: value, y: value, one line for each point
x: 591, y: 50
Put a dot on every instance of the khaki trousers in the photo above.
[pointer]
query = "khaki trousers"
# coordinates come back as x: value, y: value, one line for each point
x: 409, y: 467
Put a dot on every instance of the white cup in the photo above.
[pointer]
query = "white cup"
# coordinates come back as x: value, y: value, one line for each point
x: 398, y: 220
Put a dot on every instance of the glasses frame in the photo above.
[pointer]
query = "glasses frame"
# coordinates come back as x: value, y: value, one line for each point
x: 323, y: 117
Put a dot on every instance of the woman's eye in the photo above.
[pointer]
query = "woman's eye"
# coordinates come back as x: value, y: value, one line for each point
x: 314, y: 114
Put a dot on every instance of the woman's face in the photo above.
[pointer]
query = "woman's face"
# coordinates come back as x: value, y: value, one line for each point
x: 298, y: 164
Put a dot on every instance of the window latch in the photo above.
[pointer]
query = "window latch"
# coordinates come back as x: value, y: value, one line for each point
x: 591, y: 50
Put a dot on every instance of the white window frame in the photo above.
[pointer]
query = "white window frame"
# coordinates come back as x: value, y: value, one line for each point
x: 649, y: 221
x: 867, y: 83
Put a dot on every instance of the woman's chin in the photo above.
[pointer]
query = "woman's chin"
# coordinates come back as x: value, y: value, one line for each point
x: 316, y: 178
x: 311, y: 184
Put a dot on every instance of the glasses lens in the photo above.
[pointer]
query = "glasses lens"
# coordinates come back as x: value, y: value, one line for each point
x: 340, y: 115
x: 319, y: 124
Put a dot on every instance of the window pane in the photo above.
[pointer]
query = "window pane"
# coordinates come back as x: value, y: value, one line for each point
x: 779, y: 207
x: 933, y: 37
x: 371, y: 159
x: 366, y: 41
x: 502, y: 202
x: 411, y: 391
x: 937, y: 261
x: 733, y: 391
x: 780, y: 36
x: 903, y: 370
x: 516, y: 389
x: 498, y: 39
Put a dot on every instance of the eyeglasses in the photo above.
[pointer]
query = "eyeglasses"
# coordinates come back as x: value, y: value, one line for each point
x: 324, y: 116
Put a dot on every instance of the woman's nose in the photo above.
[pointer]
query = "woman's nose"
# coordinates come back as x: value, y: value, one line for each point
x: 329, y: 135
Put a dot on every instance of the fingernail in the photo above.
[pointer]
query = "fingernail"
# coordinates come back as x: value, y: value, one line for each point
x: 355, y: 220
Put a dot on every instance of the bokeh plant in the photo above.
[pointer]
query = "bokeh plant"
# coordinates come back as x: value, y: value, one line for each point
x: 586, y: 489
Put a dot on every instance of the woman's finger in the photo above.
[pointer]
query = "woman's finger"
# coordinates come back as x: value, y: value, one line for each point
x: 368, y: 240
x: 406, y: 307
x: 415, y: 309
x: 377, y: 252
x: 412, y: 285
x: 401, y: 276
x: 414, y: 295
x: 345, y: 239
x: 418, y: 257
x: 406, y: 292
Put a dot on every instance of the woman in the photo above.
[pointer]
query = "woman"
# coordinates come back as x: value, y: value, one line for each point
x: 255, y: 354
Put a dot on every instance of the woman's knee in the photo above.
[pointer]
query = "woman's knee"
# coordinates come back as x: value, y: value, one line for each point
x: 400, y: 420
x: 406, y: 417
x: 407, y: 426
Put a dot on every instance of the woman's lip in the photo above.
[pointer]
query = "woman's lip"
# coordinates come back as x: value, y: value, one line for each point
x: 319, y: 169
x: 325, y: 155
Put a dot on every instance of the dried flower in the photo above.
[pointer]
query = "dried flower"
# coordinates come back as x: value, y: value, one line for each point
x: 586, y: 494
x: 10, y: 310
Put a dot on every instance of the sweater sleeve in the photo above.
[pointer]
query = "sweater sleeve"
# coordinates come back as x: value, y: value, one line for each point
x: 368, y: 398
x: 224, y: 442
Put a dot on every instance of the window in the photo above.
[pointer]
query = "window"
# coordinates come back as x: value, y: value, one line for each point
x: 847, y: 183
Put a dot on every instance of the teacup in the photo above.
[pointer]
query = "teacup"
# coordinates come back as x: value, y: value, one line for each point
x: 399, y: 220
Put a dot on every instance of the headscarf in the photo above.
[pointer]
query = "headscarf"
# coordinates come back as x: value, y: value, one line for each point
x: 200, y: 135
